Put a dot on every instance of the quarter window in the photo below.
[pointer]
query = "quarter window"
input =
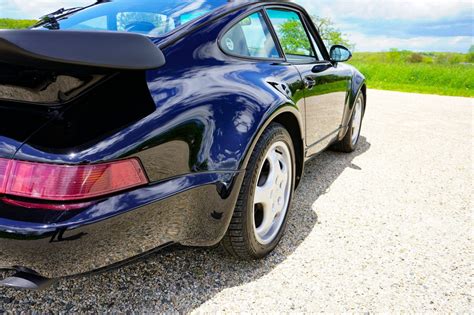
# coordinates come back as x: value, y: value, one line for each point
x: 292, y: 35
x: 250, y: 38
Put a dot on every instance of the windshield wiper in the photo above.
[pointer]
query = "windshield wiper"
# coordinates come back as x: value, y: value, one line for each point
x: 50, y: 20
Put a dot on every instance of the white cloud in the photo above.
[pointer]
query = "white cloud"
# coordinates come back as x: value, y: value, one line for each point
x: 30, y: 9
x: 439, y: 44
x: 388, y: 9
x: 367, y: 9
x: 375, y: 25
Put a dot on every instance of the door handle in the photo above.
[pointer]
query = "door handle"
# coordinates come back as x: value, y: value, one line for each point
x: 321, y: 67
x: 309, y: 83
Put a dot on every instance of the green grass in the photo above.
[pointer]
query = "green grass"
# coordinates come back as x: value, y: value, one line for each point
x: 433, y: 73
x: 15, y: 24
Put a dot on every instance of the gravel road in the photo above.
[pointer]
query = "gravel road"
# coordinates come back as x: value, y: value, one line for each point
x: 388, y: 228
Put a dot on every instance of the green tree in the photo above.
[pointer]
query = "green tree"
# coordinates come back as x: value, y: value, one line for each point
x: 415, y: 58
x: 293, y: 37
x: 470, y: 55
x: 330, y: 34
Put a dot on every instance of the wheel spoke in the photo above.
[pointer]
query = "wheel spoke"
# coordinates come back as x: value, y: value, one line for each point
x: 267, y: 223
x: 263, y: 196
x: 274, y: 162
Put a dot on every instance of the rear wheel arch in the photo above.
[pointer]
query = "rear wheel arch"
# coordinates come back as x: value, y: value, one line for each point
x: 290, y: 118
x: 292, y: 125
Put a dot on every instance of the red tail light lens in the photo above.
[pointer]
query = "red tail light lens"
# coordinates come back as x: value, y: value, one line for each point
x: 68, y: 183
x: 4, y: 166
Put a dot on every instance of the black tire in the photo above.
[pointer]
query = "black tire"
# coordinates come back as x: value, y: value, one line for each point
x: 240, y: 240
x: 347, y: 145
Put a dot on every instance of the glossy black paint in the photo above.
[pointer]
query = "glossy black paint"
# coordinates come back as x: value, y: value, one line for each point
x: 193, y: 124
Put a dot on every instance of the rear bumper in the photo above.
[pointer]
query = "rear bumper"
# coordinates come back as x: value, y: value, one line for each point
x: 191, y: 210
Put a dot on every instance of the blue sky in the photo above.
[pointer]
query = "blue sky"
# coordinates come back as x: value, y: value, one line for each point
x: 373, y: 25
x: 420, y: 25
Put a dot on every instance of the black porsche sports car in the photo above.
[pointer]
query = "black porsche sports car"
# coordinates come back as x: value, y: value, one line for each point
x: 130, y: 125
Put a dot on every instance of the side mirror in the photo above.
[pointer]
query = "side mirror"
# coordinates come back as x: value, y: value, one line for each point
x: 340, y: 53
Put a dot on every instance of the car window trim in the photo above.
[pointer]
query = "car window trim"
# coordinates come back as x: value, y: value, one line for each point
x: 310, y: 30
x: 299, y: 13
x: 274, y: 34
x: 239, y: 19
x: 314, y: 32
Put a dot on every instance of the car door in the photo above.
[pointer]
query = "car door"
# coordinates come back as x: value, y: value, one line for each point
x: 326, y: 84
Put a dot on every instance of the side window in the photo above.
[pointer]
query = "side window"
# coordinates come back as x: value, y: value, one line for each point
x: 292, y: 35
x: 250, y: 38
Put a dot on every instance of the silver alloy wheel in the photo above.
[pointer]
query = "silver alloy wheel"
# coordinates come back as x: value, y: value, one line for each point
x: 273, y: 192
x: 357, y: 121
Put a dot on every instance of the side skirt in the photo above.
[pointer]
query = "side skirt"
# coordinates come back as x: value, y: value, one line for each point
x: 322, y: 144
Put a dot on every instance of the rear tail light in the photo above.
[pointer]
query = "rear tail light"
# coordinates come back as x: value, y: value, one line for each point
x: 4, y: 165
x: 68, y: 183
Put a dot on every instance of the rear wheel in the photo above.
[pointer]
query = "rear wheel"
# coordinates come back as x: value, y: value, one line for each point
x: 349, y: 143
x: 260, y: 216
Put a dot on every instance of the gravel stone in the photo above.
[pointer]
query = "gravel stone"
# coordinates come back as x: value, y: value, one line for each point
x: 387, y: 228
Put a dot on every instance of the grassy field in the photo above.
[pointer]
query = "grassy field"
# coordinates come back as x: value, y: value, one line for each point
x: 433, y: 73
x: 15, y: 24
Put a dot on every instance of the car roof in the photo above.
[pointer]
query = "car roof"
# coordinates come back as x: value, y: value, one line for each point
x: 233, y: 3
x: 223, y: 10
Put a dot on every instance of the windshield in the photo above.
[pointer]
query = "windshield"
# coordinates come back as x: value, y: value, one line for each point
x: 149, y: 17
